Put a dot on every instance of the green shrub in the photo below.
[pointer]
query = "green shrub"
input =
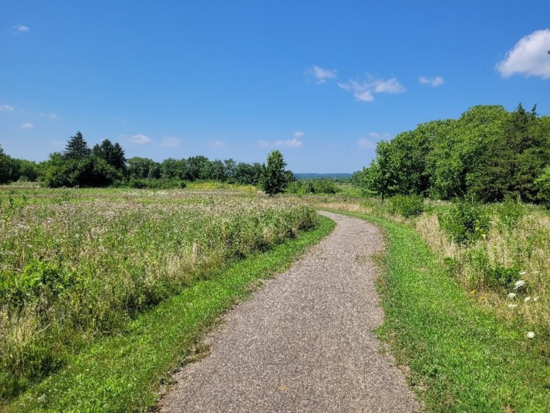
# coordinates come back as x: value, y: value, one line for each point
x: 509, y: 213
x: 464, y: 222
x: 407, y: 205
x: 38, y: 279
x: 318, y: 186
x: 156, y: 183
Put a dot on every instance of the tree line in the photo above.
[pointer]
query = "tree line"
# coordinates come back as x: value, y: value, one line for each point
x: 486, y: 155
x: 106, y: 165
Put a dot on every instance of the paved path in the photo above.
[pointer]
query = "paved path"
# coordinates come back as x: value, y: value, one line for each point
x: 304, y: 342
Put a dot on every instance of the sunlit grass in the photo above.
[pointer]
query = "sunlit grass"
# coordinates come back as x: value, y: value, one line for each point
x: 77, y: 265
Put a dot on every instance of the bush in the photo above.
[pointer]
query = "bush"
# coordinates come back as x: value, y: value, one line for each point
x: 319, y: 186
x: 156, y: 183
x: 407, y: 205
x: 509, y: 213
x: 465, y: 222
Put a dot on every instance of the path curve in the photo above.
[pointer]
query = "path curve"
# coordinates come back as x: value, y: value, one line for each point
x: 304, y: 342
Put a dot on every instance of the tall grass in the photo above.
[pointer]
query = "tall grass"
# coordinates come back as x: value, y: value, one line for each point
x: 499, y: 254
x: 74, y: 268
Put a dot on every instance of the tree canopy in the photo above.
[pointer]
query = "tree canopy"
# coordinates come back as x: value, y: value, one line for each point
x: 487, y: 154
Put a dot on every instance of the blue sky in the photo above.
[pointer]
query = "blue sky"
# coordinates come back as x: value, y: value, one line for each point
x: 322, y: 81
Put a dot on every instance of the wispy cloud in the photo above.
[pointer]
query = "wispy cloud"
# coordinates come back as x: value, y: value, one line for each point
x: 170, y: 142
x: 20, y: 29
x: 6, y: 108
x: 431, y: 81
x: 366, y: 143
x: 140, y: 139
x: 49, y: 115
x: 530, y: 56
x: 298, y: 134
x: 216, y: 144
x: 26, y: 125
x: 371, y: 141
x: 321, y: 75
x: 289, y: 143
x: 364, y: 90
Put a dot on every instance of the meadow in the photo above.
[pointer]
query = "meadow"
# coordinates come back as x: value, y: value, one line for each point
x: 77, y: 266
x: 465, y: 292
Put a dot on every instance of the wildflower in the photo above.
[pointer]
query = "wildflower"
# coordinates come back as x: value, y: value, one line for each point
x: 519, y: 284
x: 512, y: 305
x: 527, y: 299
x: 530, y: 334
x: 522, y: 272
x: 512, y: 295
x: 473, y: 292
x: 536, y: 298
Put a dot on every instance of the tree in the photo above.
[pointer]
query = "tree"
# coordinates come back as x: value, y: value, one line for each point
x: 112, y: 154
x: 77, y: 148
x: 4, y: 167
x: 274, y: 176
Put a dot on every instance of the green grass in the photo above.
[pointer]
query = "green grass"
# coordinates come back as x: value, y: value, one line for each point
x: 125, y: 373
x: 458, y: 356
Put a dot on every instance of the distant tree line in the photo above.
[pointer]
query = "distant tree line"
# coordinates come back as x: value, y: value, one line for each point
x: 487, y: 155
x: 105, y: 165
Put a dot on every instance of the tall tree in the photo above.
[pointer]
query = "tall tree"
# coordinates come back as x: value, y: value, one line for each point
x: 274, y: 177
x: 112, y: 154
x: 77, y: 148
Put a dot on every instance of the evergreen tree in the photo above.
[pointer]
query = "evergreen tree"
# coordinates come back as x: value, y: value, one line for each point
x: 77, y: 148
x: 112, y: 154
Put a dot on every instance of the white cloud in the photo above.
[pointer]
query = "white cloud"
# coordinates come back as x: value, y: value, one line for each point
x: 49, y: 115
x: 20, y: 29
x: 432, y: 81
x: 140, y: 139
x: 373, y: 138
x: 530, y: 56
x: 26, y: 125
x: 380, y: 136
x: 298, y: 134
x: 321, y: 75
x: 289, y: 143
x: 216, y: 144
x: 364, y: 91
x: 366, y: 143
x: 6, y: 108
x: 170, y: 142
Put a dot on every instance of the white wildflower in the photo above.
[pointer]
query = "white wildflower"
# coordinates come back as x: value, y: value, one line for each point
x: 512, y: 295
x: 519, y: 284
x: 527, y: 299
x: 522, y: 272
x: 536, y: 298
x: 530, y: 334
x: 512, y: 305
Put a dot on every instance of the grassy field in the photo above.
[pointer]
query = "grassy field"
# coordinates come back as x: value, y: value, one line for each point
x: 81, y: 266
x: 468, y: 320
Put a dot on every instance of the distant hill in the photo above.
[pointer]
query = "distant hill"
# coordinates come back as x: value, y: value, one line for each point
x: 304, y: 176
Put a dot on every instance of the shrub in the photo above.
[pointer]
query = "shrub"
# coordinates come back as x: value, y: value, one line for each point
x: 407, y: 205
x: 509, y: 213
x: 464, y: 222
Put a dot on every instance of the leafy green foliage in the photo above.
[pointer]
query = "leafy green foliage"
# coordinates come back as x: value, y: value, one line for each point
x: 77, y: 148
x: 274, y: 178
x: 465, y: 222
x: 488, y: 153
x: 407, y: 205
x: 315, y: 186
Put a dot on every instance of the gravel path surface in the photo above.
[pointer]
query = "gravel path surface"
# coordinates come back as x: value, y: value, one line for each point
x: 304, y: 342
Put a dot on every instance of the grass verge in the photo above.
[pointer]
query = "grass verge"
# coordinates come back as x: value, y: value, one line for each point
x: 125, y: 373
x: 457, y: 356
